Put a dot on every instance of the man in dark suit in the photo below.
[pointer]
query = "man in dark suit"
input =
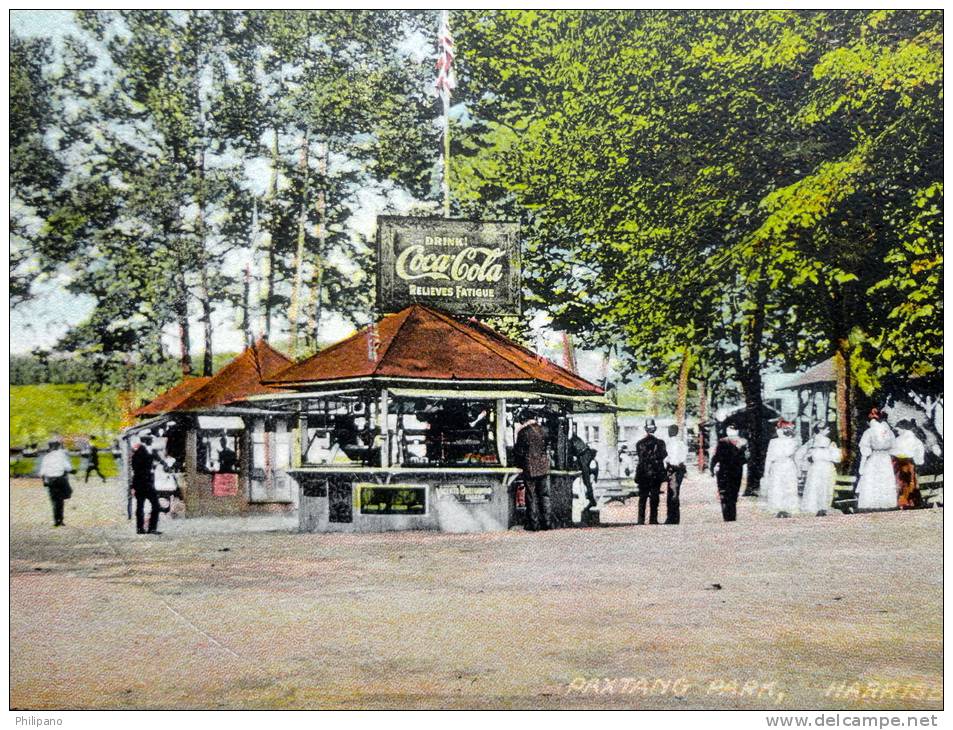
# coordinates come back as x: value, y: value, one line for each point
x: 727, y: 464
x: 143, y: 485
x: 650, y: 471
x: 532, y: 456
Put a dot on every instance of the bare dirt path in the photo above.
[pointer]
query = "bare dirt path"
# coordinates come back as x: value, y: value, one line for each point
x: 838, y: 612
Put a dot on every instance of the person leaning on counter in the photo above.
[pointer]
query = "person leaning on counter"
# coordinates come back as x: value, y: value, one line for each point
x: 532, y: 456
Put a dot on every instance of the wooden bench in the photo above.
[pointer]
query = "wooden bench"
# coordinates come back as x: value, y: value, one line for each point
x: 614, y: 490
x: 931, y: 490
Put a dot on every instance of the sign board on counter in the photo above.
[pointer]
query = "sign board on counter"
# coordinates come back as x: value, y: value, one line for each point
x: 462, y: 267
x: 466, y: 493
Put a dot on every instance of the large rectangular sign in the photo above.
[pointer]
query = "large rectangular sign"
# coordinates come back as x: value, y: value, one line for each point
x: 463, y: 267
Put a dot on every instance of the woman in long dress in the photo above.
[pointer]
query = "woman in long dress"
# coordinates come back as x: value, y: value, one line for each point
x: 822, y: 454
x: 780, y: 471
x: 908, y: 453
x: 877, y: 486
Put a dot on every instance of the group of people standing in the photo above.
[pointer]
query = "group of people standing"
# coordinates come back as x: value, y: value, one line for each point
x: 659, y: 462
x: 154, y: 473
x: 887, y: 471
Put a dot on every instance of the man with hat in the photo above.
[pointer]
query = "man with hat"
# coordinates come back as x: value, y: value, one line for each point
x: 53, y: 470
x: 532, y: 456
x: 143, y: 485
x: 727, y: 465
x: 650, y: 471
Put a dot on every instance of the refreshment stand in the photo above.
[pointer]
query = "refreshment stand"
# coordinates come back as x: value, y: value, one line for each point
x: 420, y: 436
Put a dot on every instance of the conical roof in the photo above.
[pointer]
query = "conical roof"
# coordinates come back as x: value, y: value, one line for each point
x: 419, y: 343
x: 236, y: 381
x: 824, y: 372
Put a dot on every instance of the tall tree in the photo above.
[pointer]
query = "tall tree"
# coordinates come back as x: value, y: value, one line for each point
x: 678, y: 174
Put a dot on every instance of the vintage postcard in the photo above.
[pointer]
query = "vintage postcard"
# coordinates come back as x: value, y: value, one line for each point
x: 475, y: 360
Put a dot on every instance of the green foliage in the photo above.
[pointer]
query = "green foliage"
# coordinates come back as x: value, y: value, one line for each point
x: 41, y: 368
x: 39, y: 411
x: 748, y: 188
x: 160, y: 117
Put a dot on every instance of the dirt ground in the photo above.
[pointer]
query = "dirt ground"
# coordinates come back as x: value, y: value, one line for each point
x: 837, y: 612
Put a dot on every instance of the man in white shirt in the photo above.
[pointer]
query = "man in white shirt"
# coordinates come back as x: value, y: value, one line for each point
x: 53, y: 470
x: 677, y: 451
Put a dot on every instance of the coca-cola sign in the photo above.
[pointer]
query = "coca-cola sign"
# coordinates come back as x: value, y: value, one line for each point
x: 464, y: 267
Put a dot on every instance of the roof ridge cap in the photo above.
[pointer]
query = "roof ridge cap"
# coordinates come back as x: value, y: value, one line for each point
x: 381, y: 355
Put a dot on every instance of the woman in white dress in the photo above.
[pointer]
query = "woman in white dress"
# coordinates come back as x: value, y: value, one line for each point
x: 780, y: 471
x: 822, y: 454
x: 877, y: 486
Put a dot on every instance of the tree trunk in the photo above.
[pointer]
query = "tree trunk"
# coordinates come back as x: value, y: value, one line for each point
x: 182, y: 317
x: 206, y: 303
x: 752, y: 386
x: 569, y: 353
x: 273, y: 221
x: 321, y: 205
x: 845, y: 423
x: 682, y: 396
x: 702, y: 417
x: 314, y: 306
x: 204, y: 293
x: 246, y: 308
x: 294, y: 309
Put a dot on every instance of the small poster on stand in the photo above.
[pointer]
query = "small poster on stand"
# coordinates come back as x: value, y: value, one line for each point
x: 224, y: 485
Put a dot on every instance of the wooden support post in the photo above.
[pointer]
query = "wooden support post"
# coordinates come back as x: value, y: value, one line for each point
x: 501, y: 430
x: 300, y: 439
x: 384, y: 429
x: 702, y: 417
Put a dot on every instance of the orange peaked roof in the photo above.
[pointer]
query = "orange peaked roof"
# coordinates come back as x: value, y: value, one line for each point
x: 236, y: 381
x: 423, y: 343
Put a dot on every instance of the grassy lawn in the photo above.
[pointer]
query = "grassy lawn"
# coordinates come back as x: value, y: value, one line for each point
x: 37, y: 411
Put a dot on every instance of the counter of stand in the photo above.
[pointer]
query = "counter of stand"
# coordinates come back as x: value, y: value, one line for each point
x: 359, y: 499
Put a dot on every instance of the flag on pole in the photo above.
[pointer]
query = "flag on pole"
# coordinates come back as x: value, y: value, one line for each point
x: 446, y: 82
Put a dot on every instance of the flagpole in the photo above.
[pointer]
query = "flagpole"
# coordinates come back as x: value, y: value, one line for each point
x: 446, y: 155
x: 445, y: 84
